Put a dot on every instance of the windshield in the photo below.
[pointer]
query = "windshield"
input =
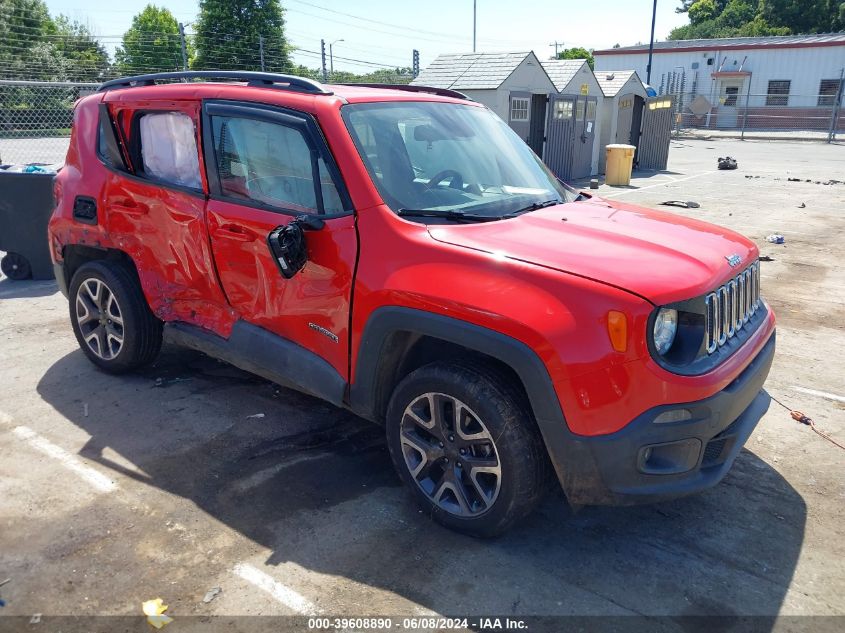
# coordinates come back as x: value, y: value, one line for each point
x: 450, y: 159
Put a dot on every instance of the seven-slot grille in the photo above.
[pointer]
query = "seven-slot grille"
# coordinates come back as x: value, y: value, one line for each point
x: 731, y: 306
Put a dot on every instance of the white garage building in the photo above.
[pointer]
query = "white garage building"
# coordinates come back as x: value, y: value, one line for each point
x: 770, y: 82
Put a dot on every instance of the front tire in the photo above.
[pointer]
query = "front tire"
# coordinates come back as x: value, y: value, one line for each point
x: 111, y: 319
x: 466, y: 445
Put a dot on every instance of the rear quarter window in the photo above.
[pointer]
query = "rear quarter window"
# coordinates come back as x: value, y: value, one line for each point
x: 169, y: 148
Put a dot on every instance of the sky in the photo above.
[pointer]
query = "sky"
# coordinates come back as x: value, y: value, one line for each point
x: 384, y: 32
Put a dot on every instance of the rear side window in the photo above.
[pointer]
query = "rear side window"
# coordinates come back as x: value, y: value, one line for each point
x: 271, y: 164
x: 169, y: 148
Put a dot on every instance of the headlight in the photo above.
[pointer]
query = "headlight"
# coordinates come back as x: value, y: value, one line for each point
x: 665, y: 328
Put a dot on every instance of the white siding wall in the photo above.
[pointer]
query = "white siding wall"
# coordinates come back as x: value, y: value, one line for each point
x: 529, y: 76
x: 804, y: 67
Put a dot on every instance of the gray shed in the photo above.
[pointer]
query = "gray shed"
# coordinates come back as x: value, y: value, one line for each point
x: 622, y: 110
x: 510, y: 84
x: 575, y: 84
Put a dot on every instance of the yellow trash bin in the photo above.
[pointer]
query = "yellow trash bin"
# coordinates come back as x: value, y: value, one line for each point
x: 620, y: 162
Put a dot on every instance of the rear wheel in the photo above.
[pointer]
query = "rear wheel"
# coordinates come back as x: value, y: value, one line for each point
x: 111, y: 319
x: 467, y: 447
x: 16, y: 267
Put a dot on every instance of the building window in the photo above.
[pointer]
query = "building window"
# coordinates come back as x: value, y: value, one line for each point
x: 563, y: 109
x: 828, y: 90
x: 778, y: 94
x: 591, y: 110
x: 519, y: 109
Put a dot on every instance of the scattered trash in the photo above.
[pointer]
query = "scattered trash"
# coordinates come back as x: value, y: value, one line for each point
x: 154, y: 610
x: 35, y: 619
x: 163, y: 382
x: 688, y: 204
x: 766, y: 258
x: 794, y: 179
x: 85, y: 409
x: 211, y: 594
x: 833, y: 182
x: 803, y: 419
x: 3, y: 602
x: 594, y: 183
x: 802, y: 206
x: 727, y: 163
x: 776, y: 238
x: 255, y: 416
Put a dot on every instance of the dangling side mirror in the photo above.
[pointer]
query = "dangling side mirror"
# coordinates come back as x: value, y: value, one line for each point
x: 288, y: 246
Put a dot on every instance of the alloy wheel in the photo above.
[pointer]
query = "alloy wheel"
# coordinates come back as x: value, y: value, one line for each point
x: 450, y: 454
x: 99, y: 318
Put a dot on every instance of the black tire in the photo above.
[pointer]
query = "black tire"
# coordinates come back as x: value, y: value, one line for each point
x: 16, y: 267
x: 140, y: 331
x: 494, y: 408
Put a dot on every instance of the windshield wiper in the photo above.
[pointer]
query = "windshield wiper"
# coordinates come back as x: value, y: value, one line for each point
x: 449, y: 214
x: 534, y: 206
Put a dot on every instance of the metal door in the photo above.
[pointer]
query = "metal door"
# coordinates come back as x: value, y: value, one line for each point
x: 653, y: 148
x: 519, y: 113
x: 537, y: 130
x: 728, y: 96
x: 560, y: 133
x: 624, y: 119
x: 585, y: 132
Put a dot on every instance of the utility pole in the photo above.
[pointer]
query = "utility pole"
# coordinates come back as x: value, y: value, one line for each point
x: 415, y: 64
x: 473, y: 24
x: 651, y: 45
x: 184, y: 46
x: 323, y: 55
x: 556, y: 44
x: 261, y: 50
x: 331, y: 57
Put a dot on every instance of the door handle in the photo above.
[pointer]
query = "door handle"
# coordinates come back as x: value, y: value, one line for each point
x: 130, y: 207
x: 234, y: 232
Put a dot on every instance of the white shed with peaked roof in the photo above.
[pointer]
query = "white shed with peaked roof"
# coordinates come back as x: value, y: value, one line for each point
x: 624, y: 96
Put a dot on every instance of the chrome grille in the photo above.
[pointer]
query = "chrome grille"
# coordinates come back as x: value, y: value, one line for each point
x: 730, y: 307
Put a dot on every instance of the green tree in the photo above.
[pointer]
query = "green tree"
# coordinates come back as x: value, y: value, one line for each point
x: 805, y: 16
x: 23, y: 24
x: 229, y: 33
x: 151, y: 44
x: 577, y: 53
x: 86, y: 59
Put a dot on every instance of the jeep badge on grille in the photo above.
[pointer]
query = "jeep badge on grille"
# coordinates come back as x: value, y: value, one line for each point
x: 734, y: 260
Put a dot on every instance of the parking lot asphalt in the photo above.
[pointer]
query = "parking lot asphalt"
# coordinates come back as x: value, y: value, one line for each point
x: 192, y: 475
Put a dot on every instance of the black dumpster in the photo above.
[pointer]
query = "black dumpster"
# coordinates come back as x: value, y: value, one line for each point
x: 26, y: 203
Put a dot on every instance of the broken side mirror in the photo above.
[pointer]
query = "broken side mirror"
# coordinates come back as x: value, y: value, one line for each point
x: 288, y: 245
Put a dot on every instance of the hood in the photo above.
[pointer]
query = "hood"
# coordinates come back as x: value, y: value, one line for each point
x: 659, y: 256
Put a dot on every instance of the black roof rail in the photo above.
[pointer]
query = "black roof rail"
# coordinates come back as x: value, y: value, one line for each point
x: 269, y: 80
x: 443, y: 92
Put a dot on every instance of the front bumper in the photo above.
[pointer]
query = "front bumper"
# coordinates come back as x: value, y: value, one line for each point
x: 685, y: 457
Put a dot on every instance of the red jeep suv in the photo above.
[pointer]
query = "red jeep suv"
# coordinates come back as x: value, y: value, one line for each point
x: 400, y: 252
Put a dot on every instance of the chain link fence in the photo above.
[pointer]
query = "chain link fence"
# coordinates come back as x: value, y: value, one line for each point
x: 35, y: 120
x: 771, y: 116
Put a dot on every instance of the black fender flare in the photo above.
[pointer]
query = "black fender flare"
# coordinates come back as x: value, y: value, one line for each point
x: 548, y: 414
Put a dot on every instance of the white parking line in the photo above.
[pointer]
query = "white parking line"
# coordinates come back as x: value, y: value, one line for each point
x: 658, y: 184
x: 97, y: 479
x: 284, y: 595
x: 820, y: 394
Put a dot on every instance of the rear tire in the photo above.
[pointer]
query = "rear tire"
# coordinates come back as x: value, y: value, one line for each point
x: 111, y: 319
x: 16, y: 267
x: 466, y: 445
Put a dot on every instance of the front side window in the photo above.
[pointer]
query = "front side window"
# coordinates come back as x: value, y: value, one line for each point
x: 271, y: 164
x: 449, y: 157
x: 169, y: 148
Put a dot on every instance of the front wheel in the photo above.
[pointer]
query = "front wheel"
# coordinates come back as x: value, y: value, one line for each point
x: 466, y: 445
x: 111, y: 319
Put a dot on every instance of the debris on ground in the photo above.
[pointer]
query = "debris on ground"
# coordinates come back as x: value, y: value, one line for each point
x: 211, y: 594
x: 766, y: 258
x: 85, y: 409
x: 163, y: 382
x: 776, y: 238
x: 794, y: 179
x: 727, y: 163
x: 255, y: 416
x: 684, y: 204
x: 802, y: 206
x: 594, y: 183
x: 154, y: 610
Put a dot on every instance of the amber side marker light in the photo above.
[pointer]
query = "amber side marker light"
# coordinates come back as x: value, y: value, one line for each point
x: 617, y: 330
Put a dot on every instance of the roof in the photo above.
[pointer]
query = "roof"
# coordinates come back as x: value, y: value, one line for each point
x: 612, y: 81
x: 561, y: 71
x: 470, y: 71
x: 734, y: 43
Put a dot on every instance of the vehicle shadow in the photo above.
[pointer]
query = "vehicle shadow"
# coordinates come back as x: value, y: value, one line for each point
x: 26, y: 289
x: 314, y: 484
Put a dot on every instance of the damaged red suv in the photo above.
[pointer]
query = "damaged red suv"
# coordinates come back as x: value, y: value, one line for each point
x: 400, y: 252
